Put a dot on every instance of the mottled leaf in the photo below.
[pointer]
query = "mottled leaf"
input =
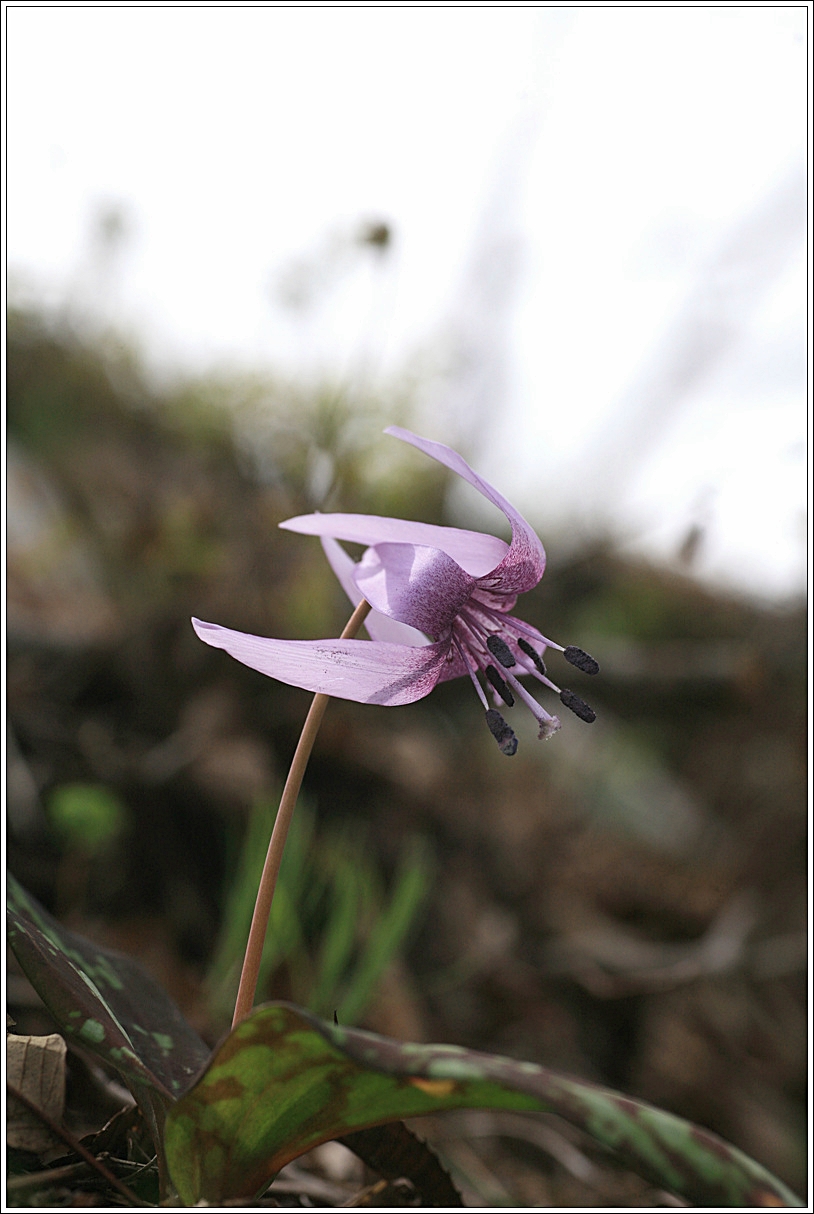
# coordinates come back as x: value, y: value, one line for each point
x: 105, y: 1001
x: 284, y: 1081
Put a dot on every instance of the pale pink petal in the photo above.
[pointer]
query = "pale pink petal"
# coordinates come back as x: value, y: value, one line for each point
x: 370, y: 672
x: 493, y: 599
x: 523, y: 565
x: 476, y: 553
x: 415, y: 584
x: 380, y: 627
x: 454, y: 667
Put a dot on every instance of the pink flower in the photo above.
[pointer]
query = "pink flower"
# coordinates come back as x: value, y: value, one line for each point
x: 457, y: 587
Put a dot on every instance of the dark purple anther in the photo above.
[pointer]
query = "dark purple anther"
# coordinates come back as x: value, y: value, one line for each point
x: 503, y: 735
x: 532, y: 653
x: 500, y: 686
x: 582, y: 660
x: 572, y: 701
x: 500, y: 650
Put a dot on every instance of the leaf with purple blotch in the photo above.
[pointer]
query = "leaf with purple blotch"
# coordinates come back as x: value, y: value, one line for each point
x: 284, y: 1081
x: 105, y: 1001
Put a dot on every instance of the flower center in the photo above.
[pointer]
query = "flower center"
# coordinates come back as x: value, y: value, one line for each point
x: 501, y: 648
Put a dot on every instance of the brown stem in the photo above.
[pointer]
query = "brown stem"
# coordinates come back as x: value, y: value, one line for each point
x: 271, y: 868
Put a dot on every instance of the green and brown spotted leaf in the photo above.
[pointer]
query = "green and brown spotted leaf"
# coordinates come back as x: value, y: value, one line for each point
x: 106, y: 1002
x: 284, y: 1081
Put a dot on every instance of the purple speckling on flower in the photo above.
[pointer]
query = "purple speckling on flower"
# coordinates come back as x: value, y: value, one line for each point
x: 440, y: 600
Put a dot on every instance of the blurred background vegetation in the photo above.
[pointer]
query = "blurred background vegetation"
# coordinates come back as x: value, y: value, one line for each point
x: 627, y: 903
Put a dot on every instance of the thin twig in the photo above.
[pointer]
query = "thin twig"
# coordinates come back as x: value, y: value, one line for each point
x: 365, y: 1196
x: 76, y: 1146
x: 49, y: 1176
x: 271, y: 868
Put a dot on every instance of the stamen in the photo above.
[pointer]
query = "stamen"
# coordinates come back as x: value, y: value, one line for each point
x: 534, y: 635
x: 543, y: 678
x: 500, y: 620
x: 543, y: 718
x: 579, y: 658
x: 572, y: 701
x: 532, y: 653
x: 500, y: 650
x: 503, y: 735
x: 499, y: 685
x: 463, y: 656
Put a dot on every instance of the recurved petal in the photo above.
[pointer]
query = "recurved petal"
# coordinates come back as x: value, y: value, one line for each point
x: 420, y: 586
x: 476, y: 553
x: 370, y: 672
x: 380, y: 627
x: 523, y: 565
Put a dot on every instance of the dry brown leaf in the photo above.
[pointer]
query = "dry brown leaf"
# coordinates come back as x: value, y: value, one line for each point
x: 35, y: 1067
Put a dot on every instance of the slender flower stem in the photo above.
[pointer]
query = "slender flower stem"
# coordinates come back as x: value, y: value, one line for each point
x: 271, y: 868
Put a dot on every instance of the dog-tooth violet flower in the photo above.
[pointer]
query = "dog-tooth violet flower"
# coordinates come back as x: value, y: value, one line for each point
x: 423, y: 581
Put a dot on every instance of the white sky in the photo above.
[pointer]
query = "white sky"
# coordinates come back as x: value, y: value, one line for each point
x: 599, y: 223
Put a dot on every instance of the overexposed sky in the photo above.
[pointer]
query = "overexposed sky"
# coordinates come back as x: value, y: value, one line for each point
x: 599, y: 227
